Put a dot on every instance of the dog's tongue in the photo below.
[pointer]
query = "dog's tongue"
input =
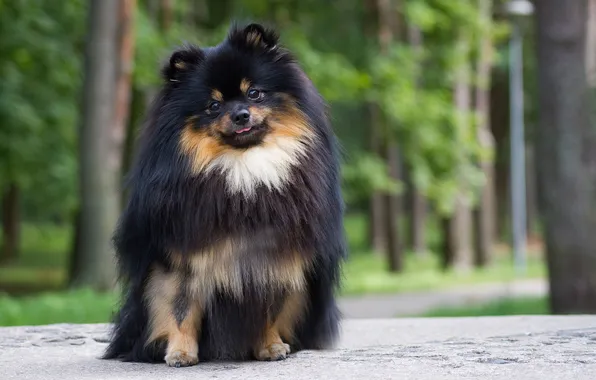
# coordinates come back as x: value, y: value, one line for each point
x: 243, y: 130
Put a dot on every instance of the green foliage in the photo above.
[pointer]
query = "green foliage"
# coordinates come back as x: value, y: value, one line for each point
x: 41, y: 52
x: 363, y: 175
x: 40, y: 65
x: 506, y: 306
x: 333, y: 74
x: 414, y: 87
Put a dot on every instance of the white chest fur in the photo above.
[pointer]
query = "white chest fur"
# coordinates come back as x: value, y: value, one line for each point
x: 269, y: 164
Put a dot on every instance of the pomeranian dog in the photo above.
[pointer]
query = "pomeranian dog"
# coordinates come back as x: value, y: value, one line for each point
x: 231, y: 244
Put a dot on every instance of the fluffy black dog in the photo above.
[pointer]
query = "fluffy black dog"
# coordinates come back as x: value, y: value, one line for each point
x: 231, y: 244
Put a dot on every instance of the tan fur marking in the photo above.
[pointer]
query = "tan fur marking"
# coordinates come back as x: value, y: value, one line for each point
x: 244, y: 85
x: 272, y: 347
x: 192, y: 119
x: 201, y: 147
x: 259, y: 114
x: 217, y: 95
x: 290, y: 124
x: 253, y: 38
x: 182, y: 338
x: 161, y: 291
x: 291, y: 313
x: 290, y: 121
x: 222, y: 268
x: 180, y: 65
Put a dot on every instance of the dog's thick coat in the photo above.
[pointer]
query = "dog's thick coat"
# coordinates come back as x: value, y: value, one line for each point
x: 231, y: 249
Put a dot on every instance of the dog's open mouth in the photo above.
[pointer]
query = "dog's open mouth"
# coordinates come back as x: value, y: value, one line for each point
x: 246, y: 136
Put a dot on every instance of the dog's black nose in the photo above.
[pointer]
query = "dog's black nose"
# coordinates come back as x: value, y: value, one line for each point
x: 241, y: 117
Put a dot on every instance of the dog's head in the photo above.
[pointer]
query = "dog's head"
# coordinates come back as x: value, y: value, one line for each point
x: 241, y: 94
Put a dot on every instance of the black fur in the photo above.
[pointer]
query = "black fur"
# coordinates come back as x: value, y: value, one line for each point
x: 170, y: 210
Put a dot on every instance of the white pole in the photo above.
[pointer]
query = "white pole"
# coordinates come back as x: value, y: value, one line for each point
x: 518, y: 175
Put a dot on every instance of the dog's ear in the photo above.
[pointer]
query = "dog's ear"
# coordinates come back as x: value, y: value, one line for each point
x: 254, y: 37
x: 181, y: 61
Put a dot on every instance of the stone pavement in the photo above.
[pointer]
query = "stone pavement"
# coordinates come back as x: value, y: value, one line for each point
x: 484, y: 348
x: 415, y: 303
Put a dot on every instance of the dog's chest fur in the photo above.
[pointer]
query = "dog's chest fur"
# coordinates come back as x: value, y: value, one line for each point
x: 268, y: 165
x: 232, y: 265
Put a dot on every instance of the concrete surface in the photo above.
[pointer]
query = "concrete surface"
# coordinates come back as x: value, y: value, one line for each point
x: 485, y: 348
x: 415, y: 303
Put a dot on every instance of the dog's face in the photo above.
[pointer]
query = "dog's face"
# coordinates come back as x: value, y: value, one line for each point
x: 245, y: 109
x: 241, y: 106
x: 238, y: 92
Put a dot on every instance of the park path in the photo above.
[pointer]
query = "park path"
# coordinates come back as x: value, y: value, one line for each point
x: 408, y: 304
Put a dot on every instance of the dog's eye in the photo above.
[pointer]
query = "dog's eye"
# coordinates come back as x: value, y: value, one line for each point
x: 254, y: 94
x: 214, y: 106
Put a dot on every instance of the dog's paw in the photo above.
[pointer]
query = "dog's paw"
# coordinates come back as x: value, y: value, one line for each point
x: 274, y: 352
x: 181, y: 359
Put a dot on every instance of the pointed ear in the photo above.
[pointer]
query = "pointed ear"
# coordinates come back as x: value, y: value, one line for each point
x: 181, y: 61
x: 254, y: 37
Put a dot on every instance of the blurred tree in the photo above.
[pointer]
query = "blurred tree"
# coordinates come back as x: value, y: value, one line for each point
x: 591, y: 46
x: 459, y: 225
x: 377, y: 231
x: 124, y: 70
x: 10, y: 223
x: 499, y: 123
x: 418, y: 205
x: 566, y: 154
x: 389, y: 29
x: 39, y: 46
x: 99, y: 149
x: 484, y: 212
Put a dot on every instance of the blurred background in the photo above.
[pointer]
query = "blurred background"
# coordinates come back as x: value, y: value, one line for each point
x: 467, y: 126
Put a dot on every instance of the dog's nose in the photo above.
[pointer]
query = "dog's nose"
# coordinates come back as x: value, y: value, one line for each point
x: 241, y: 117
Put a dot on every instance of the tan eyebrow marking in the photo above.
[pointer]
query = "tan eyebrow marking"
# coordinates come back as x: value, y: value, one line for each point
x: 244, y: 85
x: 217, y: 95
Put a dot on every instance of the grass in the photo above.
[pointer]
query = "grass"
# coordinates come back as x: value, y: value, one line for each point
x: 506, y: 306
x: 368, y: 274
x: 80, y: 306
x: 42, y: 260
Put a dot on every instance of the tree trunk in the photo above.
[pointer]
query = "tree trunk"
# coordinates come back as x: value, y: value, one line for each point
x: 418, y: 203
x: 461, y: 225
x: 447, y: 248
x: 389, y: 28
x: 418, y: 211
x: 532, y: 215
x: 393, y: 210
x: 484, y: 214
x: 377, y: 235
x: 11, y: 223
x: 98, y: 168
x: 75, y: 259
x: 166, y: 14
x: 377, y: 228
x: 591, y: 46
x: 566, y: 155
x: 499, y: 124
x: 123, y: 131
